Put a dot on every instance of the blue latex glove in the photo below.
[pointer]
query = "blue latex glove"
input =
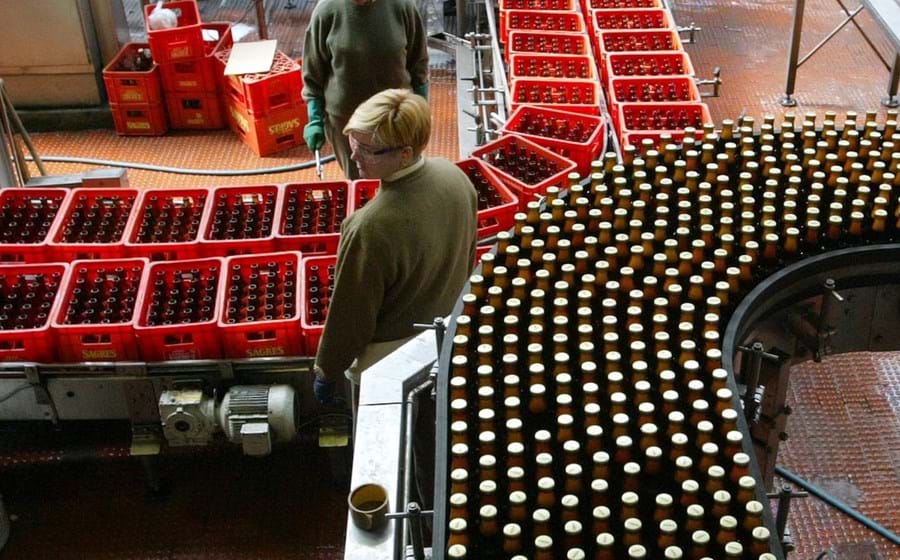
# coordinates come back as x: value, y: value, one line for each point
x: 324, y: 391
x: 314, y: 131
x: 421, y: 90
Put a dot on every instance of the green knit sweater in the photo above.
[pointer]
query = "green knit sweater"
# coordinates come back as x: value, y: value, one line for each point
x: 352, y: 52
x: 402, y: 259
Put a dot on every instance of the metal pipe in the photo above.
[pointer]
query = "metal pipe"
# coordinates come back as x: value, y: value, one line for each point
x: 830, y: 35
x: 862, y: 31
x: 837, y: 504
x: 188, y: 171
x: 409, y: 434
x: 796, y: 32
x: 498, y: 69
x: 891, y: 99
x: 23, y: 132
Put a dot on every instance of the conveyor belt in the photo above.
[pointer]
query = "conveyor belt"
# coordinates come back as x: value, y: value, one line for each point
x: 684, y: 254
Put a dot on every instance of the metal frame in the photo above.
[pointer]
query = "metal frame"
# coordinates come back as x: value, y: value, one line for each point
x: 383, y: 448
x: 885, y: 12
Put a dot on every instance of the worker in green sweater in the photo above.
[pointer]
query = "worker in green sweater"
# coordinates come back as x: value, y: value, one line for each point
x: 404, y: 257
x: 352, y: 50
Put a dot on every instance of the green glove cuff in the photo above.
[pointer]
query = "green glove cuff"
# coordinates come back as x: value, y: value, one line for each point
x: 315, y: 109
x: 421, y: 90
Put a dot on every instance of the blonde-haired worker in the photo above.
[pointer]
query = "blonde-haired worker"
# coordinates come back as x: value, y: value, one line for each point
x: 404, y: 257
x: 352, y: 50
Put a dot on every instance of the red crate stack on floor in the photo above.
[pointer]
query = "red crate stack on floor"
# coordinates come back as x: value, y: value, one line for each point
x: 134, y: 89
x: 266, y: 110
x: 184, y: 54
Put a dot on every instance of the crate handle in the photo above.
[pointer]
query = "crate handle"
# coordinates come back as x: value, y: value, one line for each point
x: 257, y: 336
x: 96, y: 339
x: 10, y: 345
x: 128, y: 82
x: 175, y: 339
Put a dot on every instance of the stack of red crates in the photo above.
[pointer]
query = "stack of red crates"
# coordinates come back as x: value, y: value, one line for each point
x: 647, y: 76
x: 184, y: 55
x: 550, y: 67
x: 265, y: 110
x: 135, y: 92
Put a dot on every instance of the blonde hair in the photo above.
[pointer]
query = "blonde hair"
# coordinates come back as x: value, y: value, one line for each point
x: 395, y: 118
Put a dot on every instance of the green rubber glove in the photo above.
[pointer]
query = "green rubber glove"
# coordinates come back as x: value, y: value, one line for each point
x: 422, y: 90
x: 314, y: 131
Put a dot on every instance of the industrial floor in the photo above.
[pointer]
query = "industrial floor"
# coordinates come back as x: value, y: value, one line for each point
x: 844, y: 433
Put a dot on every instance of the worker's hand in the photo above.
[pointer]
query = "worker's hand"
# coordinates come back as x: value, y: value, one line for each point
x: 314, y: 136
x: 421, y: 90
x: 314, y: 131
x: 324, y: 391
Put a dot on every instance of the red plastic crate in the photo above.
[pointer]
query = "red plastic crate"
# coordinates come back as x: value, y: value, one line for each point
x: 544, y: 126
x: 312, y: 317
x: 633, y: 18
x: 648, y: 64
x: 190, y: 76
x: 589, y: 5
x: 217, y: 35
x: 183, y: 42
x: 678, y: 89
x: 547, y: 43
x: 124, y: 84
x: 636, y: 41
x: 545, y: 20
x: 166, y: 223
x: 197, y: 338
x: 27, y: 216
x: 78, y: 236
x: 29, y: 340
x: 558, y: 166
x: 276, y: 132
x: 241, y: 203
x: 265, y: 92
x: 507, y: 5
x: 139, y: 119
x: 363, y: 190
x: 497, y: 204
x: 662, y: 116
x: 96, y: 338
x: 195, y: 111
x: 577, y: 96
x: 289, y: 236
x: 199, y: 75
x: 552, y: 66
x: 254, y: 336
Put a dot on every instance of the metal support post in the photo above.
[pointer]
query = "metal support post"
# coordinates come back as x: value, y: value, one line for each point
x: 785, y: 494
x: 892, y: 100
x: 797, y: 29
x: 751, y: 376
x: 261, y: 19
x: 462, y: 19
